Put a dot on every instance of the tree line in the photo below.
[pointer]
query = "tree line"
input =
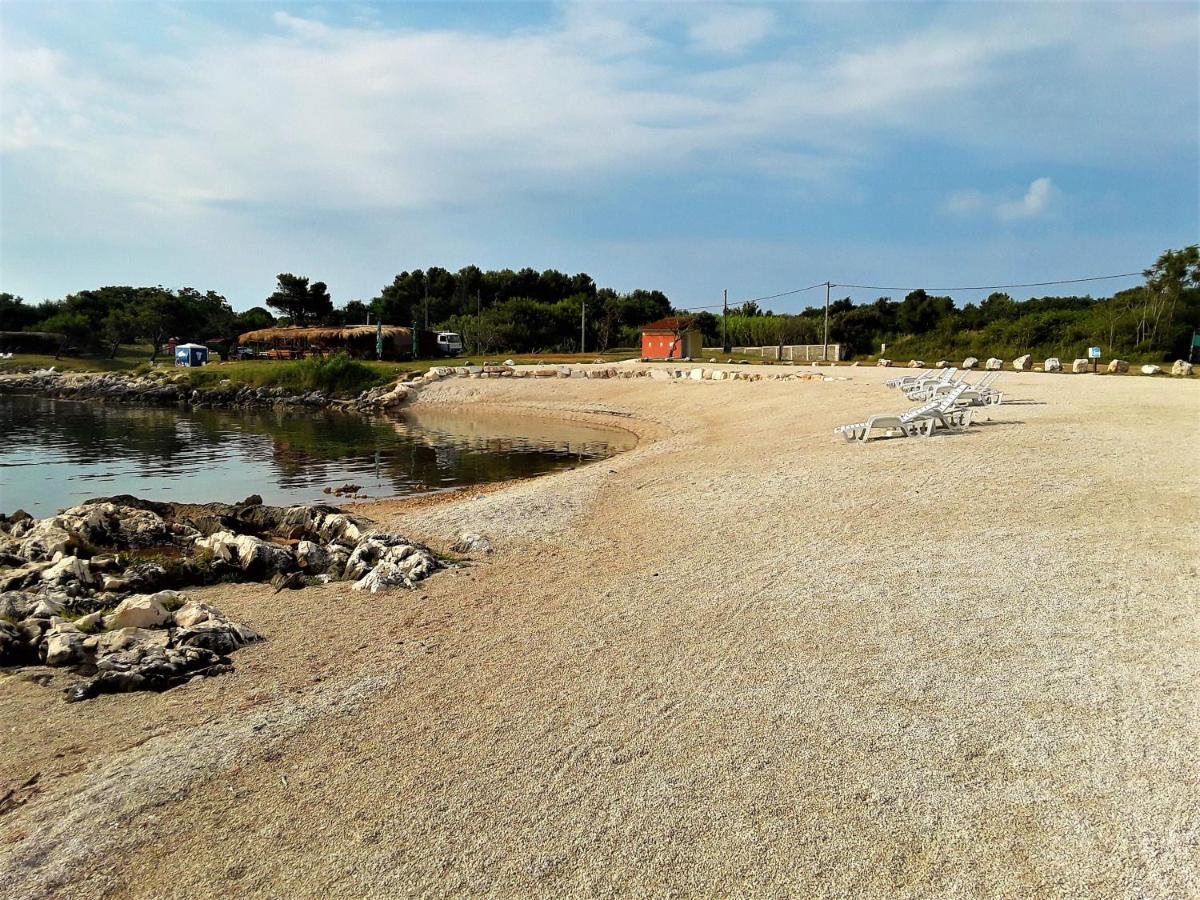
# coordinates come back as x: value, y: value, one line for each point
x: 1153, y: 321
x: 528, y: 310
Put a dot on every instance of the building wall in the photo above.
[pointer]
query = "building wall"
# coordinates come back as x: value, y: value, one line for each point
x: 668, y: 346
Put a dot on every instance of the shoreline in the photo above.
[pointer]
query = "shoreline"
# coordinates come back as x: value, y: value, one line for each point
x: 742, y: 635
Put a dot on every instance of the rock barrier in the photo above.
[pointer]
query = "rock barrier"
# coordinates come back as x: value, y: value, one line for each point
x: 95, y: 587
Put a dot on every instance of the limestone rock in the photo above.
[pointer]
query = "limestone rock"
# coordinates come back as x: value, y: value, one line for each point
x: 194, y: 613
x: 1081, y: 365
x: 383, y: 561
x: 1151, y: 370
x: 942, y: 364
x: 883, y: 362
x: 1053, y: 364
x: 916, y: 364
x: 993, y: 364
x: 1181, y: 367
x: 247, y: 553
x: 472, y: 542
x: 138, y: 611
x: 311, y: 557
x: 1023, y: 363
x: 1118, y: 366
x: 970, y: 362
x: 68, y: 569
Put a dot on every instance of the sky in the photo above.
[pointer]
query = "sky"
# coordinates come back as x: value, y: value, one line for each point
x: 690, y: 147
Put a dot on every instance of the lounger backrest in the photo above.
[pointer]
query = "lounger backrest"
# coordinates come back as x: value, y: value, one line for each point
x: 949, y: 398
x: 919, y: 411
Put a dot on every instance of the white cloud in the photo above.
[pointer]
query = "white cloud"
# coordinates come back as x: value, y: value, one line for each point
x: 1036, y: 202
x: 730, y: 29
x: 322, y: 116
x: 965, y: 202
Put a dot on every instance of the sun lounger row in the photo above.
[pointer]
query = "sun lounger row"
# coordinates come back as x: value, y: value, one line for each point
x: 949, y: 401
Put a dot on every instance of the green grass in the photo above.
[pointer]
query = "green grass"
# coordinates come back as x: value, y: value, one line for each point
x: 127, y: 359
x: 334, y: 376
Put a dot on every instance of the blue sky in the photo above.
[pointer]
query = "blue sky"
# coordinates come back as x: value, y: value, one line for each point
x: 688, y: 147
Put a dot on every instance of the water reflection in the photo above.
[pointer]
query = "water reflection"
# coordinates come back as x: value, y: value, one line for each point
x: 56, y: 453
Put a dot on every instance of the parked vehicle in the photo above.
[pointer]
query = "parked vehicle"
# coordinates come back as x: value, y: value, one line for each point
x: 449, y: 343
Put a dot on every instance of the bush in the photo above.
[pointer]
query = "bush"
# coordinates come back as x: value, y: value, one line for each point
x: 337, y: 375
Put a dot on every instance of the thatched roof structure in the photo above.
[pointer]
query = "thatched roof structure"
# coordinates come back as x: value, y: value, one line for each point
x: 323, y: 335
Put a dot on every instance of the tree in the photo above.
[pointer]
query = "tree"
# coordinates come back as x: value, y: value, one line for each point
x: 301, y: 302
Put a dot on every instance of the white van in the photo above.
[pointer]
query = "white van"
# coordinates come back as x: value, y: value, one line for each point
x: 449, y: 343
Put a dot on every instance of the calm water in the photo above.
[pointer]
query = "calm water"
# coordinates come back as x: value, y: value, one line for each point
x: 58, y: 453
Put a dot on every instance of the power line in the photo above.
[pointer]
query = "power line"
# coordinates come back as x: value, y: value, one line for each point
x: 877, y: 287
x: 988, y: 287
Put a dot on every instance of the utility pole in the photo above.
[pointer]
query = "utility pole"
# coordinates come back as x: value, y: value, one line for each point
x: 478, y: 319
x: 725, y: 324
x: 426, y: 304
x: 825, y: 352
x: 582, y: 323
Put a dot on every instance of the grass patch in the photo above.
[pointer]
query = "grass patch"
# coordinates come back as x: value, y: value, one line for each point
x: 128, y: 358
x: 337, y: 375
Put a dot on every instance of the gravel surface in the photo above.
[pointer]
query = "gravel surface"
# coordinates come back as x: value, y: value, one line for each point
x: 743, y: 658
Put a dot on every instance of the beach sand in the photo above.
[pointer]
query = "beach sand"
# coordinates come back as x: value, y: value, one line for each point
x: 742, y: 658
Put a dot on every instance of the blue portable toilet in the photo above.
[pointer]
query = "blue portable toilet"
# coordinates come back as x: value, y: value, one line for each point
x: 190, y: 355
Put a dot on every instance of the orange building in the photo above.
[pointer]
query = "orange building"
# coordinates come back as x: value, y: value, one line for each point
x: 672, y: 338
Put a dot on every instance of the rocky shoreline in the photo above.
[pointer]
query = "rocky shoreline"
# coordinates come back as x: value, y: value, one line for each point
x: 95, y: 589
x: 166, y: 388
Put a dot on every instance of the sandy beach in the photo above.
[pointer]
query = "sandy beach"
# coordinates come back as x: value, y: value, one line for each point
x: 743, y: 658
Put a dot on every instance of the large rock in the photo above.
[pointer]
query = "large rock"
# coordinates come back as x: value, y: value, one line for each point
x: 1053, y: 364
x: 472, y: 542
x: 1118, y: 366
x: 384, y: 561
x: 1081, y: 365
x: 1181, y: 367
x: 916, y: 364
x: 138, y: 611
x: 942, y: 364
x: 1151, y: 370
x: 63, y: 645
x: 970, y: 362
x: 883, y: 362
x: 251, y: 555
x: 1023, y: 363
x: 194, y: 612
x: 44, y: 539
x: 311, y: 558
x: 993, y: 364
x: 68, y: 569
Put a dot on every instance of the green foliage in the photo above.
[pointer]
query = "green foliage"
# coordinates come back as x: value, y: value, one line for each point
x: 301, y: 302
x: 337, y: 375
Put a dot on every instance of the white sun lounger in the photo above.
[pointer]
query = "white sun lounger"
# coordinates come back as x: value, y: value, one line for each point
x: 979, y: 394
x: 905, y: 380
x: 943, y: 411
x: 923, y: 390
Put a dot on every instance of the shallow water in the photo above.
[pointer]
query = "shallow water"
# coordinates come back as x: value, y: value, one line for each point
x: 58, y: 453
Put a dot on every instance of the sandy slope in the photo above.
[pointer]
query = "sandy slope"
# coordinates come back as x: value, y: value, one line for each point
x: 742, y: 658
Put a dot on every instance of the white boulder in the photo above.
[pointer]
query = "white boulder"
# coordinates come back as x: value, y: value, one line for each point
x: 1181, y: 367
x: 1118, y: 366
x: 942, y: 364
x: 883, y: 362
x: 1023, y: 363
x: 138, y: 611
x: 1151, y: 370
x: 993, y: 364
x: 916, y: 364
x: 1053, y: 364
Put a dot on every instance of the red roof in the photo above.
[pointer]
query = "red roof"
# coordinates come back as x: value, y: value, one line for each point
x: 672, y: 324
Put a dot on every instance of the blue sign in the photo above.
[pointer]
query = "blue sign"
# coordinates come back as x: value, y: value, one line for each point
x: 1093, y: 352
